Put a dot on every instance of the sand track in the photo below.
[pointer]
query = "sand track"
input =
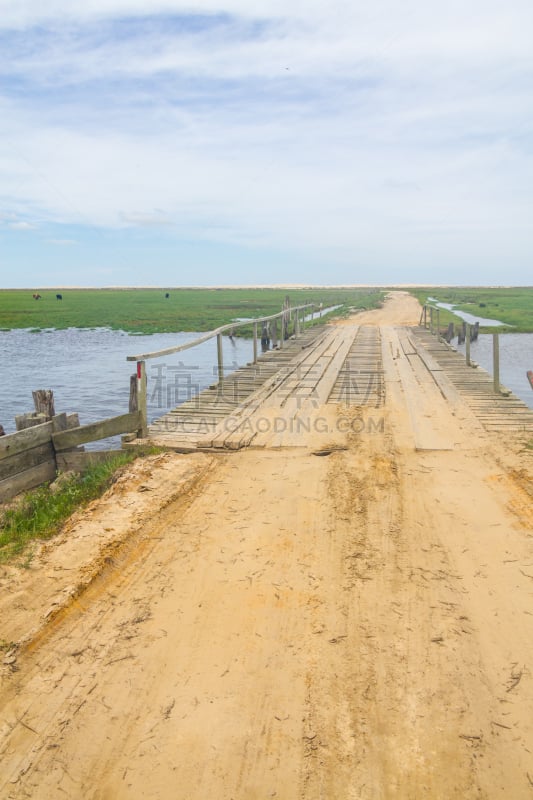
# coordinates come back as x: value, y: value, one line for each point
x: 291, y: 626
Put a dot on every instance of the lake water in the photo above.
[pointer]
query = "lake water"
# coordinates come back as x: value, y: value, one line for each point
x: 516, y: 358
x: 88, y: 372
x: 470, y: 318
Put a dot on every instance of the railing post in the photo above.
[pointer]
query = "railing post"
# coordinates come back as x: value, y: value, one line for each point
x: 220, y: 358
x: 142, y: 432
x: 431, y: 319
x: 438, y: 323
x: 467, y: 345
x: 274, y: 333
x: 496, y: 361
x: 255, y: 342
x: 296, y: 324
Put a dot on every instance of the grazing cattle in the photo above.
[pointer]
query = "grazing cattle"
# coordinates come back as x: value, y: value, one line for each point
x: 59, y: 296
x: 167, y: 295
x: 36, y: 296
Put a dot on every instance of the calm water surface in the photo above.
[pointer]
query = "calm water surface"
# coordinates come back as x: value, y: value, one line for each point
x: 516, y: 358
x: 88, y: 372
x: 470, y: 318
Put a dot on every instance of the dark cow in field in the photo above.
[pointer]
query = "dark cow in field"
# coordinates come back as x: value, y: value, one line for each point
x: 59, y: 296
x: 36, y: 296
x: 167, y: 296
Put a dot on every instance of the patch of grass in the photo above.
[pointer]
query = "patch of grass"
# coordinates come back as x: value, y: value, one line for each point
x: 513, y: 306
x: 148, y: 311
x: 41, y: 512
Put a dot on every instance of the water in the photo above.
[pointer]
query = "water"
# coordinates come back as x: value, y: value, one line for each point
x: 516, y: 358
x: 88, y: 372
x: 470, y: 318
x: 314, y: 315
x: 321, y: 313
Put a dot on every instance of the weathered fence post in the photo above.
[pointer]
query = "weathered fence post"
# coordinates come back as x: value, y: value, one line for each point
x: 255, y: 342
x: 438, y: 323
x: 142, y: 399
x: 296, y: 324
x: 431, y: 319
x: 496, y: 361
x: 467, y: 345
x: 43, y: 400
x: 220, y: 358
x: 134, y: 399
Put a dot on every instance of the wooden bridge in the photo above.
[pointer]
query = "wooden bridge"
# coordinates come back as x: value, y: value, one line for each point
x: 272, y: 401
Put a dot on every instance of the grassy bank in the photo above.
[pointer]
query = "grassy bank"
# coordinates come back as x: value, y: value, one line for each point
x: 149, y: 311
x: 513, y: 306
x: 41, y: 512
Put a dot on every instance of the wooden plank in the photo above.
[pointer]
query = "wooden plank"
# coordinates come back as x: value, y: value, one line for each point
x: 79, y: 461
x: 17, y: 442
x: 29, y: 420
x: 20, y: 462
x: 124, y: 423
x: 27, y: 480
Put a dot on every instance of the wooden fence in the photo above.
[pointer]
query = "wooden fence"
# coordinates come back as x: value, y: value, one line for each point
x: 32, y: 456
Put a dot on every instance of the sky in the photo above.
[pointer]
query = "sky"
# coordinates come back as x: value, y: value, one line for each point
x: 238, y: 142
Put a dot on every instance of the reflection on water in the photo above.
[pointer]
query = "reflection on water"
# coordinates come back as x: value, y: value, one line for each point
x: 88, y: 372
x: 516, y: 358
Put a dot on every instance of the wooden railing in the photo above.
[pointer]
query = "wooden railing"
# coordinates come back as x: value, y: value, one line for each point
x: 288, y: 315
x: 468, y: 333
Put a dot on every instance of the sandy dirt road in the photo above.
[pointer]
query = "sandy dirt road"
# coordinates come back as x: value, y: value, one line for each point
x: 295, y: 626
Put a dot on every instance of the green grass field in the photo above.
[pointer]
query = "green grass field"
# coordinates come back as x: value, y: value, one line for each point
x: 513, y: 306
x: 147, y: 310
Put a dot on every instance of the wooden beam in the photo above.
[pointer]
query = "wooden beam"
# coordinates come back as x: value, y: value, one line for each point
x: 24, y: 440
x: 29, y: 420
x: 125, y: 423
x: 20, y: 462
x: 78, y: 462
x: 27, y: 480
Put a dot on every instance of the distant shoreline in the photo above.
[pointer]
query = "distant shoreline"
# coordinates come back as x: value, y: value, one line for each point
x: 333, y: 286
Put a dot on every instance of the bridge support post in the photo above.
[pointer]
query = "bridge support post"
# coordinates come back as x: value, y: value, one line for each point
x: 220, y: 358
x: 142, y: 433
x: 496, y: 361
x: 274, y: 333
x: 255, y: 342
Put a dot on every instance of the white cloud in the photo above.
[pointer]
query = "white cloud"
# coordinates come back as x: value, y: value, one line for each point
x: 21, y: 226
x: 339, y: 126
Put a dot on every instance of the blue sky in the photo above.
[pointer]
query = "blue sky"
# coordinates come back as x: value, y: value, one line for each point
x: 242, y: 142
